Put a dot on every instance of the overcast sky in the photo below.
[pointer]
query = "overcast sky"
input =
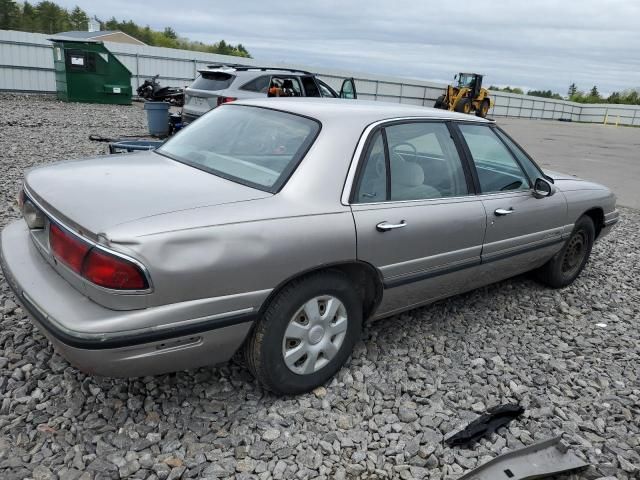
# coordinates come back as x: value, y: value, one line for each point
x: 541, y: 44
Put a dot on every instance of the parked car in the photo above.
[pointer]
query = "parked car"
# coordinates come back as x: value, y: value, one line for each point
x: 282, y: 233
x: 220, y: 84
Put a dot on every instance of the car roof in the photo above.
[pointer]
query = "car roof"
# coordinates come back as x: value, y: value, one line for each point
x: 362, y: 111
x: 248, y: 69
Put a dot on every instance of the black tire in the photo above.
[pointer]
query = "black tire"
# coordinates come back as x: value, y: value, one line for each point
x: 264, y: 348
x: 439, y: 102
x: 463, y: 106
x: 566, y: 265
x: 484, y: 109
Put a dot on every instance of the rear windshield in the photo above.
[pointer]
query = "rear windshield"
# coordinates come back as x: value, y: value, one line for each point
x: 253, y: 146
x: 213, y: 81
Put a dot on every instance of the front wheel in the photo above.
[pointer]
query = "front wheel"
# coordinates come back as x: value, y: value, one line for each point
x: 463, y: 105
x: 440, y: 102
x: 484, y: 109
x: 306, y: 333
x: 566, y: 265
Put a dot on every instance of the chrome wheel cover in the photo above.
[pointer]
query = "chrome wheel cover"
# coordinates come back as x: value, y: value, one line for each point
x: 314, y: 334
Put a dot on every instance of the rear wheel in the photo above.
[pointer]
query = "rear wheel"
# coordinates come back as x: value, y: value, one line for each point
x: 566, y: 265
x: 463, y: 106
x: 484, y: 109
x: 306, y: 333
x: 439, y: 102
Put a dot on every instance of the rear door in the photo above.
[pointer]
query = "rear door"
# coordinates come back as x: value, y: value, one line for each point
x: 417, y: 219
x: 520, y: 227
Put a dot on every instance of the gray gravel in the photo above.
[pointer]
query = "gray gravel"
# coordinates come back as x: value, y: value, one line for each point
x: 571, y: 357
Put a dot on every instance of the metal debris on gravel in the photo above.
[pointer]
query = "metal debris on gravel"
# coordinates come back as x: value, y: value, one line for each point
x: 413, y: 377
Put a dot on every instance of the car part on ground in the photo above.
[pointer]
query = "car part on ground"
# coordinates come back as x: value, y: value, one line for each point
x: 129, y: 146
x: 487, y: 423
x: 152, y: 90
x: 540, y: 460
x: 467, y: 96
x: 224, y: 83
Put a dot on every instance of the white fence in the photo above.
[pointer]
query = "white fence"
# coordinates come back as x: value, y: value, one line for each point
x: 26, y: 64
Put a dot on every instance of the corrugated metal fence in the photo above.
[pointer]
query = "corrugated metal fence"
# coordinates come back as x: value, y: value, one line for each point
x: 26, y: 64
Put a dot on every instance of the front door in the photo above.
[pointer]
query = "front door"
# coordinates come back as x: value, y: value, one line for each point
x: 416, y: 218
x: 521, y: 229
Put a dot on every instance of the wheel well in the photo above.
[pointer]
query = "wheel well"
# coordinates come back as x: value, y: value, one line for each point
x: 364, y: 277
x: 597, y: 215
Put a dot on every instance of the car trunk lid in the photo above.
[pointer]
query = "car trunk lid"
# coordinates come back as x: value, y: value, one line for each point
x: 95, y: 194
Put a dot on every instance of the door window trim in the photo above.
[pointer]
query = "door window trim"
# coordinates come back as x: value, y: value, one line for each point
x: 354, y: 175
x: 472, y: 165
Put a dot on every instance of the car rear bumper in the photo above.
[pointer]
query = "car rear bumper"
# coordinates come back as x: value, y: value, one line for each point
x: 53, y: 303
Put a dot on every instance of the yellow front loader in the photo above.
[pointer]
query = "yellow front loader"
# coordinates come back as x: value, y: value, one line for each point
x: 467, y: 96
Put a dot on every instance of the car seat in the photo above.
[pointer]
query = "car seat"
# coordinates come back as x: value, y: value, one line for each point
x: 407, y: 181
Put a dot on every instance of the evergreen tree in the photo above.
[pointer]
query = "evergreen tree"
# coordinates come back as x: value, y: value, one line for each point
x: 573, y: 88
x: 79, y: 19
x: 9, y: 15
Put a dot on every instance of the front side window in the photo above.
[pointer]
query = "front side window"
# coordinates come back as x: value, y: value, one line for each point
x: 497, y: 170
x: 326, y: 90
x: 256, y: 147
x: 531, y: 168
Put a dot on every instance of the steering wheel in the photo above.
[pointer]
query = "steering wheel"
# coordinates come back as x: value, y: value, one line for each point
x: 413, y: 149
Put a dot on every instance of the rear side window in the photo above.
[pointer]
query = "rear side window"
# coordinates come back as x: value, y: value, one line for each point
x: 260, y: 84
x: 213, y: 81
x: 257, y: 147
x: 424, y: 162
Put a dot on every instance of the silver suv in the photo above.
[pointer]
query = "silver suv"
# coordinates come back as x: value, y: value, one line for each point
x: 220, y: 84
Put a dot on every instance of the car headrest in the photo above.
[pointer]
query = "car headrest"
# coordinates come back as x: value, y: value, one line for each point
x: 406, y: 173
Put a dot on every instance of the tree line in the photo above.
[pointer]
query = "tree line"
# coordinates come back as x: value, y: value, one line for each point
x: 48, y: 17
x: 629, y: 97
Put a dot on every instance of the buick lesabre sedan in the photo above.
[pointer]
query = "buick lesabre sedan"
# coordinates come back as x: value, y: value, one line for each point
x: 278, y: 226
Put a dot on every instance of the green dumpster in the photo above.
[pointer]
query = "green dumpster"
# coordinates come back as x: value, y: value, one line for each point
x: 87, y: 72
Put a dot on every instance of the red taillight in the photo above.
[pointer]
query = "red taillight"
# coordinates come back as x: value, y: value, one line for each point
x: 98, y: 267
x: 113, y: 272
x: 67, y: 248
x: 222, y: 100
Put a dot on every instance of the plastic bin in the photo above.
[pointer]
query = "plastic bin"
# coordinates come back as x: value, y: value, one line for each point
x: 157, y: 118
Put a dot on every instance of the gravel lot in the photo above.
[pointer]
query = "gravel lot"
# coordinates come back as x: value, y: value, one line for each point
x: 571, y: 357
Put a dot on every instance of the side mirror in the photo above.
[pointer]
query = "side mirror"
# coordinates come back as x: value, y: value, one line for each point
x: 455, y: 77
x: 542, y: 188
x: 348, y: 89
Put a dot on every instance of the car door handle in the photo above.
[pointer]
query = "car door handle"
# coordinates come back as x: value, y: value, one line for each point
x: 384, y: 226
x: 503, y: 211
